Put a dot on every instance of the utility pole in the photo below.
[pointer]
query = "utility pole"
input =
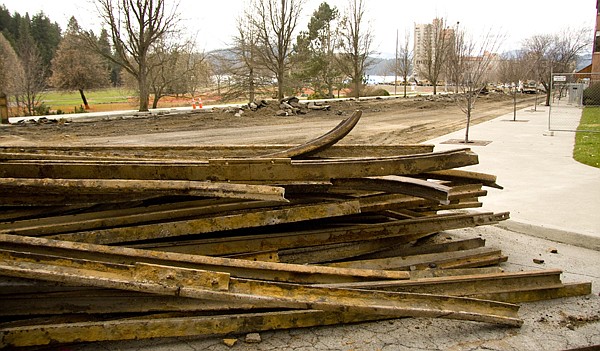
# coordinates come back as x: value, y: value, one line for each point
x: 396, y: 65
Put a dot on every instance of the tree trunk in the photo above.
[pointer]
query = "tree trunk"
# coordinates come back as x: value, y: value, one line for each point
x: 144, y: 97
x: 143, y: 86
x: 156, y: 95
x: 251, y: 87
x: 468, y: 125
x: 470, y: 101
x: 83, y: 98
x: 514, y: 106
x: 280, y: 84
x: 155, y: 100
x: 548, y: 92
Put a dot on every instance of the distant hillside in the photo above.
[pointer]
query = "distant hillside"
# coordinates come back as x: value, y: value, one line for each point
x: 380, y: 67
x: 583, y: 61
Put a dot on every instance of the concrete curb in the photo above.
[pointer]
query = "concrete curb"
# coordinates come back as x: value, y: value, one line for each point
x: 552, y: 234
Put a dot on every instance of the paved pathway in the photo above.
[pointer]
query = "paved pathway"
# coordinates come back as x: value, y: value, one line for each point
x: 547, y: 192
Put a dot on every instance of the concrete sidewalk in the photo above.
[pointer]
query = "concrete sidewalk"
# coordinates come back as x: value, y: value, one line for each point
x: 547, y: 192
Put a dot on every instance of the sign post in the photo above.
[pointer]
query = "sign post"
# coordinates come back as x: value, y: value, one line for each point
x: 560, y: 78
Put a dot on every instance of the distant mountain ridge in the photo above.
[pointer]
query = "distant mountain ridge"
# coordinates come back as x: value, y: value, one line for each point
x: 382, y: 66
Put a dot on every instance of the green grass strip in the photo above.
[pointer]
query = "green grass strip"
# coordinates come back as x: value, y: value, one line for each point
x: 72, y: 98
x: 587, y: 139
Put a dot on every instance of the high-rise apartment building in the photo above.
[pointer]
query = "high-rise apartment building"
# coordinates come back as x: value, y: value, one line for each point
x: 428, y: 39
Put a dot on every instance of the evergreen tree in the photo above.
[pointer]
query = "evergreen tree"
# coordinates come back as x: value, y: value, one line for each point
x: 5, y: 22
x: 106, y: 50
x: 315, y: 50
x: 47, y: 36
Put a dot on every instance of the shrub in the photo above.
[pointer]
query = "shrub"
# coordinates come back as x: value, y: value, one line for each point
x: 319, y: 95
x: 378, y: 92
x: 79, y: 109
x: 41, y: 110
x: 373, y: 91
x: 591, y: 95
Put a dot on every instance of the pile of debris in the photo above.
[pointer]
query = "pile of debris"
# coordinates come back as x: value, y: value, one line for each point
x: 291, y: 106
x: 288, y: 106
x: 116, y: 243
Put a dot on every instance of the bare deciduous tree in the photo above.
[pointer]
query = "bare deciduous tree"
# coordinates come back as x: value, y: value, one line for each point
x: 556, y: 53
x: 469, y: 62
x: 33, y: 83
x: 135, y: 26
x: 276, y: 21
x: 243, y: 63
x: 249, y: 76
x: 220, y: 68
x: 356, y: 38
x: 511, y: 70
x: 404, y: 64
x: 11, y: 72
x: 173, y: 68
x: 437, y: 39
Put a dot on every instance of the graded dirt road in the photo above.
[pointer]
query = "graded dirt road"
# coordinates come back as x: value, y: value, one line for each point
x: 384, y: 121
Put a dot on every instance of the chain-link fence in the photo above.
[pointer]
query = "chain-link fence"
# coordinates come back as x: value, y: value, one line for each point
x: 569, y: 94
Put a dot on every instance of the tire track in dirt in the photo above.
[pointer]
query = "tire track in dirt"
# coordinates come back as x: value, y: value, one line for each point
x: 384, y: 121
x: 434, y: 126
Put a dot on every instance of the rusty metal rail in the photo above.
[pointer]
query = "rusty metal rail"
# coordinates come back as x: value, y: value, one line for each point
x: 324, y: 141
x: 194, y: 226
x: 196, y: 152
x: 212, y: 285
x: 404, y: 231
x: 513, y: 287
x: 25, y: 191
x: 282, y: 272
x: 461, y: 259
x: 255, y: 170
x: 133, y: 242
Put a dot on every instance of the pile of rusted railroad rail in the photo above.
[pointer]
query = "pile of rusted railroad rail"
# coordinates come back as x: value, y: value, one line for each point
x: 115, y: 243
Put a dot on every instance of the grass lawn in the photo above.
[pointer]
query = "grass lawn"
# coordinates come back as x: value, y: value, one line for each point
x: 111, y: 99
x: 67, y: 101
x: 587, y: 145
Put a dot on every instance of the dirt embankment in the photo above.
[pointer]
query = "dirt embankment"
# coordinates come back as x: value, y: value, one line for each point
x: 384, y: 121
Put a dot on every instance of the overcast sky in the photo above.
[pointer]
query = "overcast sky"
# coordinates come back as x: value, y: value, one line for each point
x: 213, y: 22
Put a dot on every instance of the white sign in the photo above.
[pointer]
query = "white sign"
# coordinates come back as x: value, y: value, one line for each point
x: 560, y: 78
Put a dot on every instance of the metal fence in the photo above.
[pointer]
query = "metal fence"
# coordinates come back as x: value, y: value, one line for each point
x: 569, y: 94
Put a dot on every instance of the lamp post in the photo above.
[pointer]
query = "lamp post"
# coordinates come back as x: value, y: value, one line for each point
x: 396, y: 65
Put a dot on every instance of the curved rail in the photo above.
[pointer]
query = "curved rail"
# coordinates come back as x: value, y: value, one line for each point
x: 320, y: 143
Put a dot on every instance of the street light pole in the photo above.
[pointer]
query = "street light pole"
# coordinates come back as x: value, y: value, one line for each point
x: 396, y: 66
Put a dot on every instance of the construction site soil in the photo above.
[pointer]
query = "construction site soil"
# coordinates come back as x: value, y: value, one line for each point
x: 384, y: 121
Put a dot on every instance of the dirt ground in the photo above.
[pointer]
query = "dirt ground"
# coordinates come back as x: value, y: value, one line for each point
x: 384, y: 121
